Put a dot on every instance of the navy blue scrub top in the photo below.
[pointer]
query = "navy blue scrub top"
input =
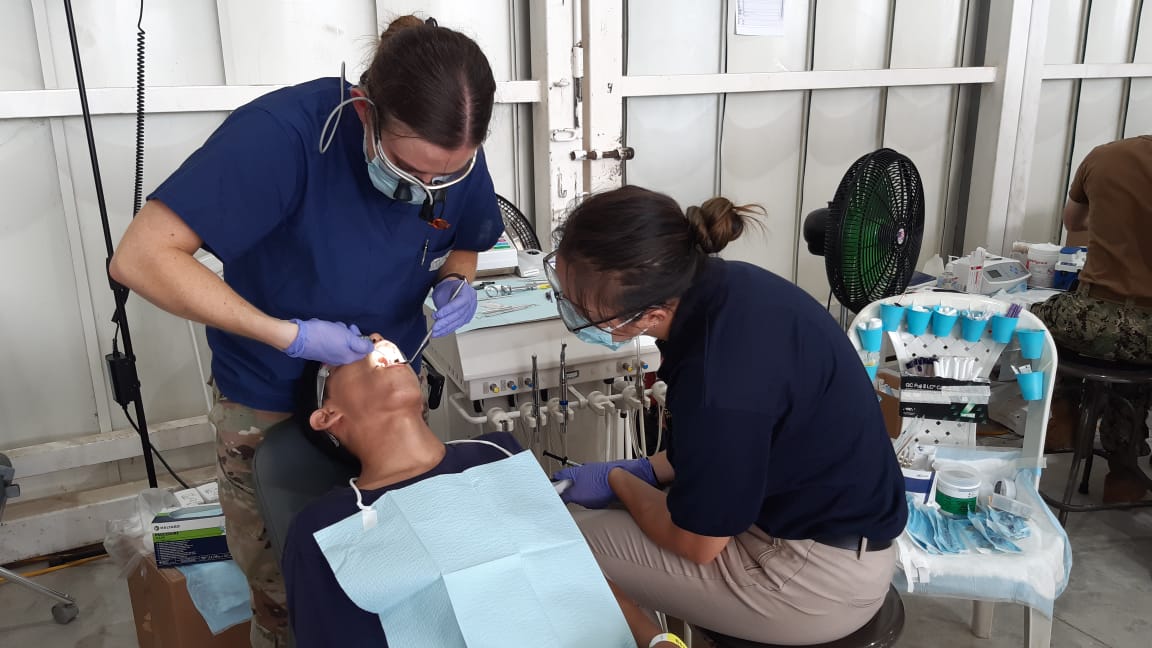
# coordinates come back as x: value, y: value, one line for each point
x: 306, y: 235
x: 774, y: 420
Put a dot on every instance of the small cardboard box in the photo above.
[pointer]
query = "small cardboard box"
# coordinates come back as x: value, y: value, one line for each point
x: 190, y: 535
x: 165, y: 616
x: 890, y: 404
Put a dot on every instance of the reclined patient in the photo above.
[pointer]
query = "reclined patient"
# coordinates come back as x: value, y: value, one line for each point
x: 373, y: 409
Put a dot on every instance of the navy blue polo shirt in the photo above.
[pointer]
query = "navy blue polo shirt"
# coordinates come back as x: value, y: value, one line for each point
x: 321, y: 613
x: 306, y: 235
x: 774, y: 420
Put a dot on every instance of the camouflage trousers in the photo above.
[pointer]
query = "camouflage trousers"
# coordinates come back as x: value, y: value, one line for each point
x: 1111, y: 331
x: 239, y: 430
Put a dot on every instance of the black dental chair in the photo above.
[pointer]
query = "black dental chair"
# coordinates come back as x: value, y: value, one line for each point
x: 290, y: 469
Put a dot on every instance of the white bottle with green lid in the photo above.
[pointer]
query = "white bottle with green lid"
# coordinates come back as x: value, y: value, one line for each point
x: 957, y: 489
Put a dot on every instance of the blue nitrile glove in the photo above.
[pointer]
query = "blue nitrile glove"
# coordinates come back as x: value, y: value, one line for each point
x: 450, y: 313
x: 590, y: 487
x: 332, y: 343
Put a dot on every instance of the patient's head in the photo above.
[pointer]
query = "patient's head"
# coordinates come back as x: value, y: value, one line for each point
x: 362, y: 397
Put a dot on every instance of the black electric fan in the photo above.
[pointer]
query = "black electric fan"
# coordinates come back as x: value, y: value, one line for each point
x: 870, y: 234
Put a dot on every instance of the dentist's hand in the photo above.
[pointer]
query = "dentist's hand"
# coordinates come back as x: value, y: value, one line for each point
x: 452, y: 312
x: 590, y: 487
x: 332, y: 343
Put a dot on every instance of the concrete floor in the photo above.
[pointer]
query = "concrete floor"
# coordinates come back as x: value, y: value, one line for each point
x: 1108, y: 602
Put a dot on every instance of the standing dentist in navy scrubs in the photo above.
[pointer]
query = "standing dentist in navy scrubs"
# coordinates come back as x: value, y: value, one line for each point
x: 335, y: 209
x: 783, y: 493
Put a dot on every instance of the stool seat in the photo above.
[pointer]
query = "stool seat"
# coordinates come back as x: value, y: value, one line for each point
x: 881, y: 632
x: 1082, y: 367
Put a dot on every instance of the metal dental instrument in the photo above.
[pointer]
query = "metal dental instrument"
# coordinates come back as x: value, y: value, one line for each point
x: 428, y: 337
x: 492, y: 310
x: 535, y: 403
x: 563, y: 398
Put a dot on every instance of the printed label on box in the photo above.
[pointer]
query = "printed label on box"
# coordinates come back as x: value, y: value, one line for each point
x: 944, y: 399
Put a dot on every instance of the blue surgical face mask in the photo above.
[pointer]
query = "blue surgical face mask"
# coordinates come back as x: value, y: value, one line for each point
x: 390, y: 184
x: 594, y: 335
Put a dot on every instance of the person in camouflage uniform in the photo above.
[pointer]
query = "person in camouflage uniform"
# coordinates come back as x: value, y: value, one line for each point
x: 1110, y: 331
x: 1109, y: 315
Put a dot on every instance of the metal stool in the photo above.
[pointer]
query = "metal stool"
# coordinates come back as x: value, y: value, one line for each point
x: 881, y: 632
x: 1097, y: 377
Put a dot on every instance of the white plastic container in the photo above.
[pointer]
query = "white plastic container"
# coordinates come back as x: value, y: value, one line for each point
x: 957, y: 490
x: 1042, y: 258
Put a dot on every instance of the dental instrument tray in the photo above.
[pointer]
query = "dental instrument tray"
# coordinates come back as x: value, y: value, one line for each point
x: 944, y: 399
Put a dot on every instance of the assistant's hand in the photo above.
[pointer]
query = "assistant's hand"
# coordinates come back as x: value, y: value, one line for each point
x: 590, y: 487
x: 332, y: 343
x: 451, y: 313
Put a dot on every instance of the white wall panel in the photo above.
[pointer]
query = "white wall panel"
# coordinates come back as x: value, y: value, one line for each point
x: 488, y: 22
x: 926, y: 34
x: 291, y: 41
x: 843, y: 124
x: 762, y: 139
x: 1065, y: 31
x: 182, y: 36
x: 674, y: 137
x: 1047, y: 185
x: 851, y: 35
x: 168, y: 373
x: 21, y: 68
x: 46, y: 389
x: 919, y: 122
x: 1139, y: 118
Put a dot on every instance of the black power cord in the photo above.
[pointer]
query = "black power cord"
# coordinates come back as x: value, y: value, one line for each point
x: 122, y: 373
x: 156, y: 452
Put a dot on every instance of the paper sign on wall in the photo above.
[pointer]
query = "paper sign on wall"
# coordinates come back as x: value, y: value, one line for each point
x: 760, y: 18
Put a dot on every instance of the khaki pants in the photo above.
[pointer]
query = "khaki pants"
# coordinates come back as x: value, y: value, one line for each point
x: 239, y: 431
x: 791, y: 592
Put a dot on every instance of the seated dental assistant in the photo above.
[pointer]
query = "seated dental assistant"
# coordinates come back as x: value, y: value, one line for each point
x: 783, y: 493
x: 373, y: 411
x: 335, y: 209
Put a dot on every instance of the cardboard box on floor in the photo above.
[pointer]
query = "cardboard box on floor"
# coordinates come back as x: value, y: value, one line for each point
x: 165, y: 616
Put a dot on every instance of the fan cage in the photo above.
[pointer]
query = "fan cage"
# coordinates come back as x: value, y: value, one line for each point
x: 875, y: 229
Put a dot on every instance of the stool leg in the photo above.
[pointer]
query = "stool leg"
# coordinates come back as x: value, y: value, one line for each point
x: 1087, y: 473
x: 1082, y: 442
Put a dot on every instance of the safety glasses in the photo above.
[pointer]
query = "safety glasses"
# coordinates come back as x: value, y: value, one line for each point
x: 438, y: 183
x: 569, y: 314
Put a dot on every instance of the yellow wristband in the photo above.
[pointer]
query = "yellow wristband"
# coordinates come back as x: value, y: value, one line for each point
x: 670, y: 638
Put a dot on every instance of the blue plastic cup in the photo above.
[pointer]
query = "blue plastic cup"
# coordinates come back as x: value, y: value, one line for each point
x: 870, y: 339
x: 972, y: 329
x: 891, y: 315
x: 1003, y: 327
x: 942, y: 324
x: 871, y: 369
x: 1031, y: 385
x: 1031, y: 343
x: 918, y: 321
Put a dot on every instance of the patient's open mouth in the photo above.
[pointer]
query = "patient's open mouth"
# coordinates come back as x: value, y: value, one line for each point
x: 387, y: 354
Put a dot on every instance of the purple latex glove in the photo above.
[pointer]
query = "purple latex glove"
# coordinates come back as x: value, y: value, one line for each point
x: 451, y: 313
x: 590, y: 487
x: 332, y: 343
